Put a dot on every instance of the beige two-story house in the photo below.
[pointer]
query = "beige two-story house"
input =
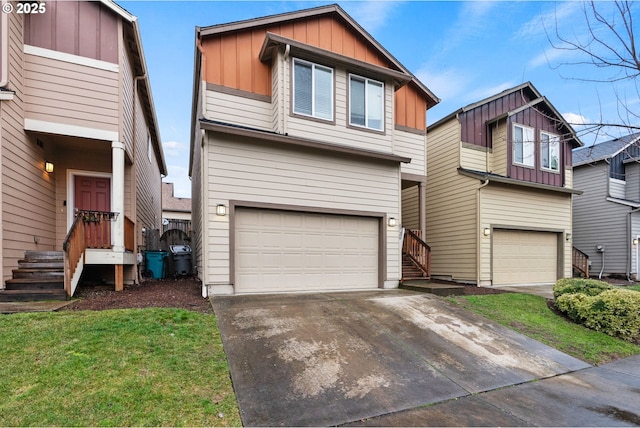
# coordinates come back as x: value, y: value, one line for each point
x: 500, y: 191
x: 82, y: 161
x: 305, y: 131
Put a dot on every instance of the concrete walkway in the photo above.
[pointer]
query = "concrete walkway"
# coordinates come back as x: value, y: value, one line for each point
x: 356, y: 358
x: 545, y: 291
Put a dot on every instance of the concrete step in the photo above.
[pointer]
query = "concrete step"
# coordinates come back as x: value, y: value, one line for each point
x: 31, y: 295
x: 439, y: 289
x: 35, y: 284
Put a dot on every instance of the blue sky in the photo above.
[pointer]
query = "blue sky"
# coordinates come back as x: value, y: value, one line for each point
x: 462, y: 51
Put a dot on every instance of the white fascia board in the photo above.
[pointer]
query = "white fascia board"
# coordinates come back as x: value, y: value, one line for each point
x: 70, y: 130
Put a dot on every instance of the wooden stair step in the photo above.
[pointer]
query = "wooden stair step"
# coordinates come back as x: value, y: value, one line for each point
x: 38, y: 273
x: 34, y: 284
x: 43, y: 255
x: 40, y: 264
x: 31, y: 295
x: 438, y: 289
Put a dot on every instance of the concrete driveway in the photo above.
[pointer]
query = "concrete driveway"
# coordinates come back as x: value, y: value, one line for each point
x: 338, y: 358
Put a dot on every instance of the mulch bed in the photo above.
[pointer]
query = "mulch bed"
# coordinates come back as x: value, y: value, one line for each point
x: 184, y: 292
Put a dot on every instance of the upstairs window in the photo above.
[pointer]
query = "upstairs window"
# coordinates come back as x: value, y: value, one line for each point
x: 312, y: 90
x: 523, y: 146
x: 366, y: 103
x: 549, y: 151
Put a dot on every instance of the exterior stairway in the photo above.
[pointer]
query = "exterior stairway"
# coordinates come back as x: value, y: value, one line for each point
x: 40, y: 276
x: 410, y: 271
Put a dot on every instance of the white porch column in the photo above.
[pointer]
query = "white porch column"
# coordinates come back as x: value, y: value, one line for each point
x: 117, y: 195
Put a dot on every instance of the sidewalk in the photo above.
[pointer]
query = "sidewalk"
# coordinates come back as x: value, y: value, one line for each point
x: 597, y: 396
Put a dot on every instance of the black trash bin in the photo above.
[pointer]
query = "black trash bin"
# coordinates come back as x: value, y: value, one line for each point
x: 181, y: 256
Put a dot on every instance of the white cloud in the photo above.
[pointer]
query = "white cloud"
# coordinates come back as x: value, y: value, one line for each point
x: 174, y: 148
x: 446, y: 84
x: 182, y: 184
x: 482, y: 93
x: 575, y: 118
x: 548, y: 20
x: 549, y: 56
x: 372, y: 15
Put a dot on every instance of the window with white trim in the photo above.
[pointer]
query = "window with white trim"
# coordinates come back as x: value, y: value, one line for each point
x: 312, y: 90
x: 549, y: 151
x: 523, y: 146
x: 366, y: 103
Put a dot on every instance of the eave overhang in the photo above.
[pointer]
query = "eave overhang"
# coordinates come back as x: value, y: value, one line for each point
x: 273, y: 42
x: 301, y: 143
x: 487, y: 177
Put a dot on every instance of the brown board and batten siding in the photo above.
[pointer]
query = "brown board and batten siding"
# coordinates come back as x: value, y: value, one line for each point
x: 70, y: 27
x: 25, y: 185
x: 242, y: 170
x: 231, y: 60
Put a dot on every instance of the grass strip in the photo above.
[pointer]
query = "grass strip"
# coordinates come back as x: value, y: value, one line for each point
x: 133, y: 367
x: 530, y: 315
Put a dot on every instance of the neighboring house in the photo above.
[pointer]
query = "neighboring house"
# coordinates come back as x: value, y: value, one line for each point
x: 500, y: 191
x: 174, y: 209
x: 81, y: 153
x: 305, y: 130
x: 606, y: 217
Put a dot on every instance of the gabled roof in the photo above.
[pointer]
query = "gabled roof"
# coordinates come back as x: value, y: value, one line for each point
x: 133, y: 41
x: 602, y: 151
x: 334, y: 9
x: 538, y: 99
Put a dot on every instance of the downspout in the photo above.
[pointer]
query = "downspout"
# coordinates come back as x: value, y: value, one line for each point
x: 629, y: 246
x: 283, y: 92
x: 134, y: 168
x: 4, y: 50
x: 479, y: 234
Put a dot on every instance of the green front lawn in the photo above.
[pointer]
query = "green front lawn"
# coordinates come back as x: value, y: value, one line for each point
x: 530, y: 316
x: 134, y: 367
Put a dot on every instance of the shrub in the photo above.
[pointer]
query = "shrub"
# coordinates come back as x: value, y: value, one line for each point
x: 615, y: 312
x: 586, y: 286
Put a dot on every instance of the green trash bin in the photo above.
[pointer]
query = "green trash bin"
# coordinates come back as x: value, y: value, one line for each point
x: 156, y: 263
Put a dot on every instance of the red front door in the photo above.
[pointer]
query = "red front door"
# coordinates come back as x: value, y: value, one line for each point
x: 94, y: 194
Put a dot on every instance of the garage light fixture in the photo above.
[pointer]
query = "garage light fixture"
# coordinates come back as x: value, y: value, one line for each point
x: 635, y: 241
x: 393, y: 222
x: 486, y: 231
x: 568, y: 237
x: 48, y: 166
x: 221, y: 210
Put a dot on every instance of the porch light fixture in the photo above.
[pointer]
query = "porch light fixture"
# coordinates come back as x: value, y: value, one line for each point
x: 221, y: 210
x: 48, y: 166
x: 486, y: 231
x: 393, y: 222
x: 635, y: 241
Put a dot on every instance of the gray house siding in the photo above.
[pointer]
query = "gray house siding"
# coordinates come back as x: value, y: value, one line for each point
x: 597, y: 221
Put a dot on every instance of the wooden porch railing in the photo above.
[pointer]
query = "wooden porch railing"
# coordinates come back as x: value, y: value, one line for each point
x: 97, y: 228
x: 580, y: 262
x: 417, y: 250
x: 73, y: 247
x: 129, y: 234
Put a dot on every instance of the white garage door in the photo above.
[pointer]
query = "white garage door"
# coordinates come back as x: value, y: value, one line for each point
x: 524, y: 257
x: 294, y: 251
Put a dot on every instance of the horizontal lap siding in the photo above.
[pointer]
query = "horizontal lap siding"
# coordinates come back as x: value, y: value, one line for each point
x: 239, y: 110
x: 61, y: 92
x: 523, y: 209
x: 410, y: 208
x: 412, y: 146
x: 500, y: 150
x: 249, y: 172
x: 24, y: 183
x: 597, y: 221
x: 451, y: 207
x: 339, y: 133
x: 472, y: 158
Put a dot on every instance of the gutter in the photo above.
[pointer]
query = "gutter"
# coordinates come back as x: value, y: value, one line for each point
x: 4, y: 50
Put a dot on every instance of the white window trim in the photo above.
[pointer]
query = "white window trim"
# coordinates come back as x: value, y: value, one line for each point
x: 70, y: 58
x: 366, y: 116
x: 552, y: 137
x: 313, y: 89
x: 524, y: 143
